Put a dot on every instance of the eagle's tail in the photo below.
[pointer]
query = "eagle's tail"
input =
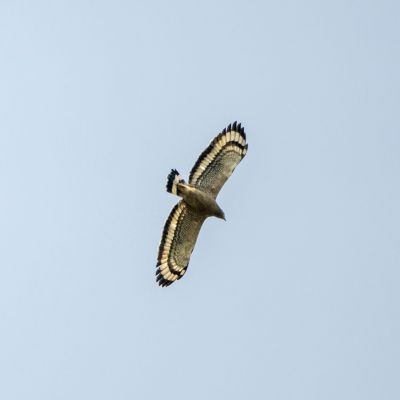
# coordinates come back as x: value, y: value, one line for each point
x: 172, y: 182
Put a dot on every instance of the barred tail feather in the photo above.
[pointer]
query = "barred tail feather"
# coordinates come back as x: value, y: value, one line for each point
x: 172, y: 182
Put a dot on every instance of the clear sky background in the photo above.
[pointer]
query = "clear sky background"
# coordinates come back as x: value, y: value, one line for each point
x: 296, y: 296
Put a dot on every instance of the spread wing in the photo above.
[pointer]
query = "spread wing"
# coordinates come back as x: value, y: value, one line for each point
x: 217, y: 162
x: 177, y: 243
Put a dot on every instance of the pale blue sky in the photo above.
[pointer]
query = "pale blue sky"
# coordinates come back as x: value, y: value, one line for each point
x: 296, y: 296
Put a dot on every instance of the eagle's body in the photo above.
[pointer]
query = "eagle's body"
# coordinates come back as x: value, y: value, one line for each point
x: 208, y: 175
x: 200, y: 201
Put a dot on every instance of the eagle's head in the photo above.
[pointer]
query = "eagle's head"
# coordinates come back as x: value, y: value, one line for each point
x: 220, y: 214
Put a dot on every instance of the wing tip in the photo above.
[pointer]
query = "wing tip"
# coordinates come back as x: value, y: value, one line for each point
x: 160, y: 280
x: 234, y: 127
x: 163, y: 282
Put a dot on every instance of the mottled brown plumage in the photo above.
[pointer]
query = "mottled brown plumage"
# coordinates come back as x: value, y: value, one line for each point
x: 212, y: 169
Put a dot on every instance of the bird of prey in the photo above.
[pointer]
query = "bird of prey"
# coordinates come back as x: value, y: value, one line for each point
x: 212, y: 169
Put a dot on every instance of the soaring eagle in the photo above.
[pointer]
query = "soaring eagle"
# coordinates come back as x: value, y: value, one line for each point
x: 212, y: 169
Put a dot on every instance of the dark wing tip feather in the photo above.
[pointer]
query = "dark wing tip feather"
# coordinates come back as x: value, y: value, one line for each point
x: 161, y: 280
x: 236, y: 127
x: 243, y: 133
